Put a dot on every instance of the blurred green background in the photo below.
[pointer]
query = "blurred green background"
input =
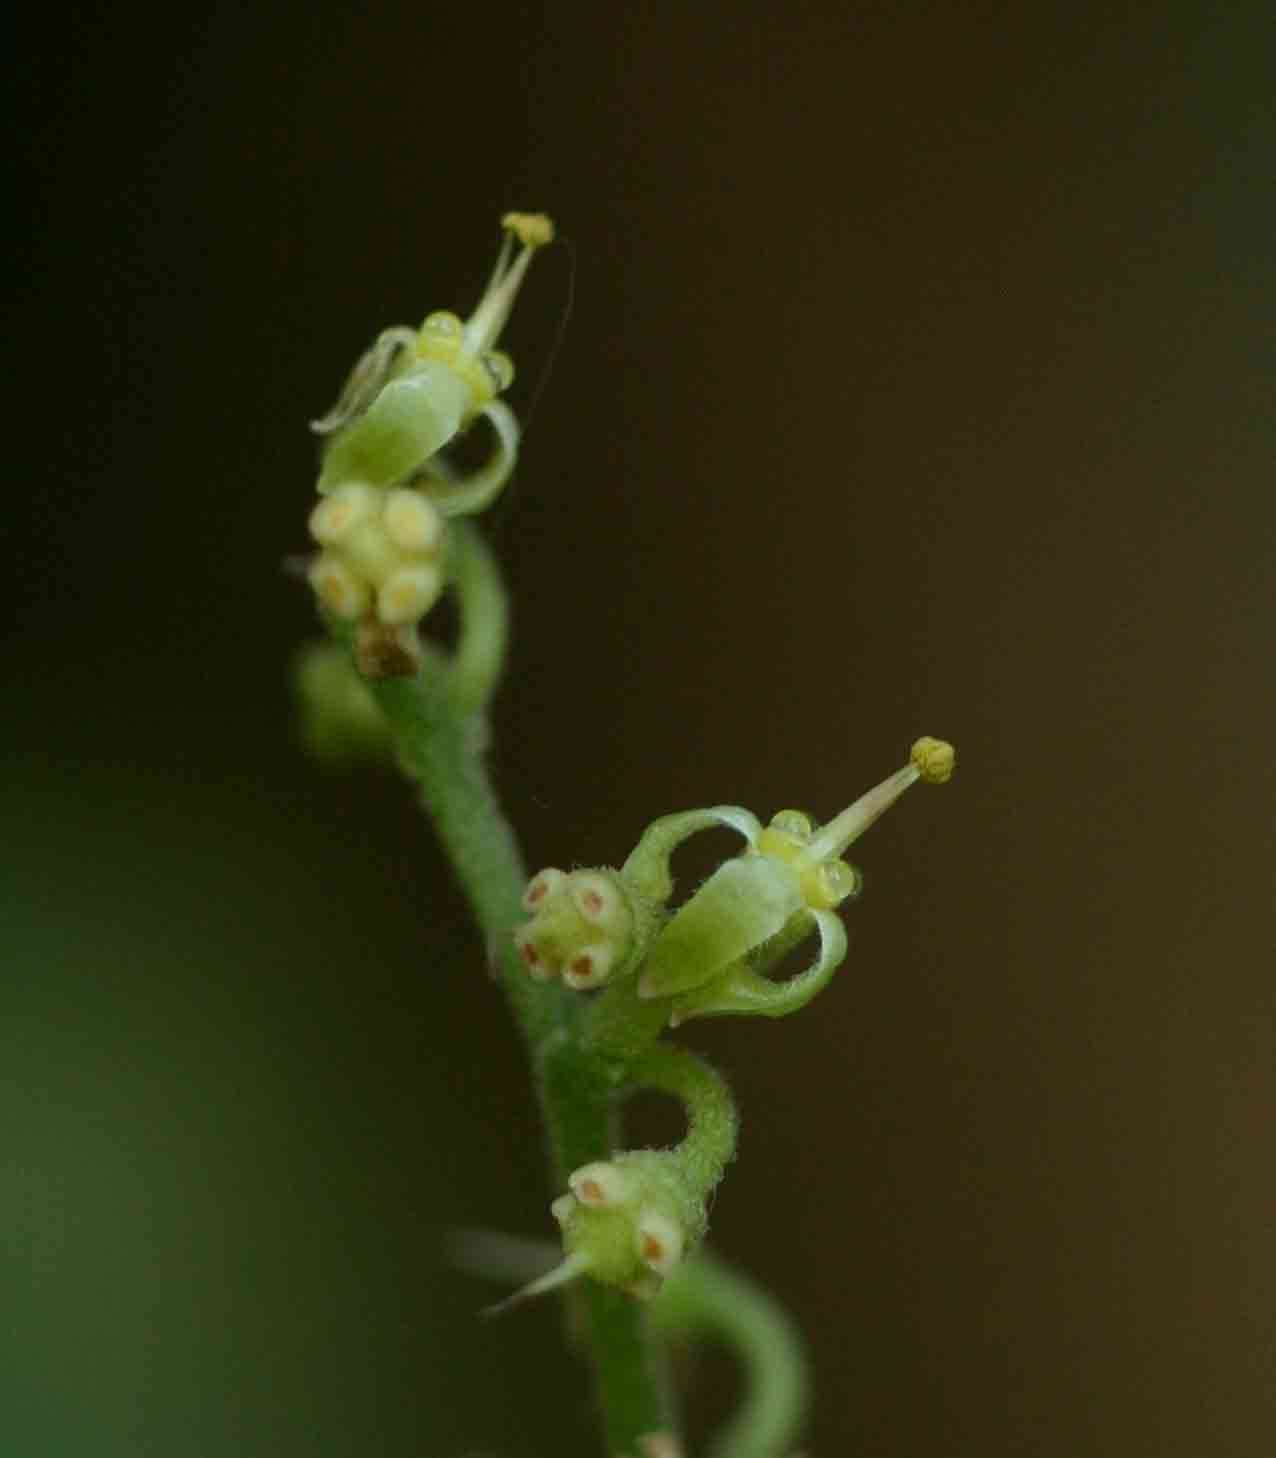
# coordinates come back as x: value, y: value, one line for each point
x: 919, y: 380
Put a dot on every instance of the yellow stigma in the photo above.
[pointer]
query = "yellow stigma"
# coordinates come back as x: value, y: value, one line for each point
x: 533, y: 229
x: 933, y: 759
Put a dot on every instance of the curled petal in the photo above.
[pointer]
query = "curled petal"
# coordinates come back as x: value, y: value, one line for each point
x: 647, y: 868
x: 468, y: 494
x: 745, y: 903
x: 368, y: 378
x: 742, y: 990
x: 413, y: 417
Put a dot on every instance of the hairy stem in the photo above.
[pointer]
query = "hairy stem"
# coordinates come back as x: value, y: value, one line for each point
x: 480, y: 653
x: 438, y: 734
x: 712, y: 1122
x: 578, y: 1099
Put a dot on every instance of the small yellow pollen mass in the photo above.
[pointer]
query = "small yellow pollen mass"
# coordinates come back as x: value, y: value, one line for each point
x: 933, y: 759
x: 532, y: 229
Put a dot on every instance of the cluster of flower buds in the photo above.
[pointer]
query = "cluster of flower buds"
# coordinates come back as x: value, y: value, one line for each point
x: 587, y: 927
x: 628, y: 1220
x: 381, y: 551
x: 712, y: 955
x: 386, y: 488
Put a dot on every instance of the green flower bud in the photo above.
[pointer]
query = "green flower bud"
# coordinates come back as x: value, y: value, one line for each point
x: 382, y: 553
x: 587, y: 927
x: 629, y: 1220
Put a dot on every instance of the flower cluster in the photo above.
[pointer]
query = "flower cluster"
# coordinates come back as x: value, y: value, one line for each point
x: 628, y: 1220
x: 711, y: 956
x: 381, y: 552
x: 386, y: 485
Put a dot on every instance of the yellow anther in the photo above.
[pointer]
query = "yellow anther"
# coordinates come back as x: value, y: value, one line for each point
x: 533, y: 229
x: 829, y: 884
x: 794, y: 822
x: 783, y: 845
x: 933, y: 759
x: 443, y: 324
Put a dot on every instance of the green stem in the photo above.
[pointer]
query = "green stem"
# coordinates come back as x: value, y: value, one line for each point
x: 484, y: 611
x: 579, y: 1102
x: 435, y: 746
x: 712, y: 1121
x: 619, y: 1026
x: 706, y: 1296
x: 433, y: 720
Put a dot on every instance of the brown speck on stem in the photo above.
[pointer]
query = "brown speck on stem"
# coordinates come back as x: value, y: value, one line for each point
x: 384, y: 652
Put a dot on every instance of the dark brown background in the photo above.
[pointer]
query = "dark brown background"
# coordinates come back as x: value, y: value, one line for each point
x: 919, y: 380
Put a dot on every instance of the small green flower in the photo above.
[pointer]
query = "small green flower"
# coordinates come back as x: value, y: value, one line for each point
x: 414, y: 392
x: 591, y: 927
x: 713, y: 955
x: 627, y: 1221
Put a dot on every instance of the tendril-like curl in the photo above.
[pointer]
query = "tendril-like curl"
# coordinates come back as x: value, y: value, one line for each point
x: 629, y: 1220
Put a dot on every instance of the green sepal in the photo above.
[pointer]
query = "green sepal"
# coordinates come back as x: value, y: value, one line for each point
x: 412, y: 418
x: 456, y: 495
x: 740, y: 989
x: 647, y: 868
x: 745, y: 903
x: 390, y: 354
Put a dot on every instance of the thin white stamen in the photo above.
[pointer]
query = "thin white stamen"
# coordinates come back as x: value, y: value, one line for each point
x: 847, y: 827
x: 483, y: 328
x: 563, y: 1274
